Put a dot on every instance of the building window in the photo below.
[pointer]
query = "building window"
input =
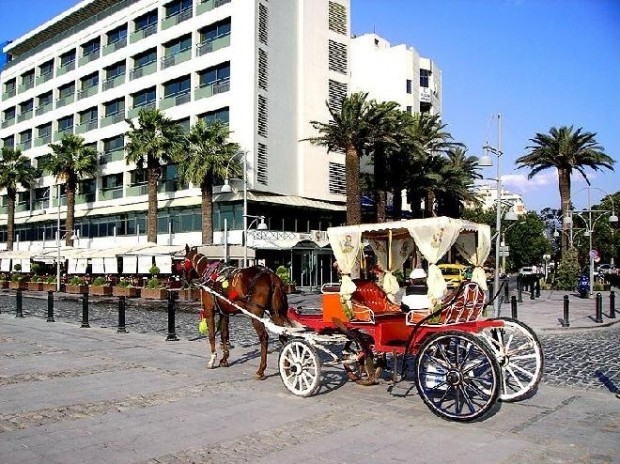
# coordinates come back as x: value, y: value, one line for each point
x: 67, y: 59
x: 65, y: 123
x: 424, y: 77
x: 117, y: 35
x: 263, y: 74
x: 263, y: 23
x: 337, y: 18
x: 146, y: 20
x: 178, y: 86
x: 215, y: 31
x: 337, y: 184
x: 112, y: 181
x: 222, y: 114
x: 113, y: 144
x: 115, y: 70
x: 262, y: 115
x: 337, y: 57
x: 178, y: 7
x: 145, y: 58
x: 114, y: 107
x: 262, y: 165
x: 215, y: 75
x: 145, y: 97
x: 337, y: 93
x: 409, y: 86
x: 178, y: 46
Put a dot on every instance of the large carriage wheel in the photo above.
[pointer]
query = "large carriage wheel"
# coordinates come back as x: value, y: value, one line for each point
x: 520, y: 356
x: 300, y: 368
x: 457, y: 375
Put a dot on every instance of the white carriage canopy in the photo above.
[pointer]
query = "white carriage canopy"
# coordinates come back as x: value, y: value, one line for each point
x: 393, y: 243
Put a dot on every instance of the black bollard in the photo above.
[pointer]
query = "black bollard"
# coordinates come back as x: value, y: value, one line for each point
x: 18, y: 303
x: 172, y: 336
x: 565, y: 321
x: 506, y: 290
x: 599, y: 308
x: 612, y: 304
x: 513, y: 307
x: 85, y: 323
x: 121, y: 315
x: 537, y: 288
x: 50, y: 306
x: 519, y: 289
x: 532, y: 288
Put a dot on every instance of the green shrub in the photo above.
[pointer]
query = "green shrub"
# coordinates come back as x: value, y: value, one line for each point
x: 123, y: 283
x: 154, y: 270
x: 76, y: 280
x: 35, y: 279
x: 100, y: 282
x: 36, y: 268
x: 50, y: 280
x: 17, y: 277
x: 153, y: 282
x: 17, y: 267
x: 283, y: 274
x: 568, y: 270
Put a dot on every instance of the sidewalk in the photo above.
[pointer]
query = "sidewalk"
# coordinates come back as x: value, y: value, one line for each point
x: 72, y: 395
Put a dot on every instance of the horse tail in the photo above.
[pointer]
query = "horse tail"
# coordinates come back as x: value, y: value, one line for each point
x: 279, y: 302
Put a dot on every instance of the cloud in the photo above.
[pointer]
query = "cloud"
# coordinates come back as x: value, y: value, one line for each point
x: 519, y: 183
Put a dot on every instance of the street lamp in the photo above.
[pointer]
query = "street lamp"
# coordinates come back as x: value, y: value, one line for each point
x: 586, y: 216
x: 486, y: 161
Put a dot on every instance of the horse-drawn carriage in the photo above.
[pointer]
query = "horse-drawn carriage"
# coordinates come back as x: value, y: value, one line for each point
x: 463, y: 362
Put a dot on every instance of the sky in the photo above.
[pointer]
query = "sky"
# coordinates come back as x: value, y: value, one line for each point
x: 537, y: 63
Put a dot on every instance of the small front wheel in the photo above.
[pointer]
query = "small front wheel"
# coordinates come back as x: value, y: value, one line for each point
x: 457, y: 375
x: 300, y: 368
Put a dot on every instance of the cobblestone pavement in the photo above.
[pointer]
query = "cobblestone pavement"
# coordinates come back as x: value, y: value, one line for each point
x: 582, y: 359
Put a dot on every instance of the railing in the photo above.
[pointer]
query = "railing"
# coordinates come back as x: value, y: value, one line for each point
x: 42, y: 109
x: 113, y: 118
x: 143, y: 70
x: 113, y: 82
x: 87, y: 92
x: 26, y: 85
x: 171, y: 60
x: 209, y: 90
x: 9, y: 93
x: 111, y: 193
x: 81, y: 198
x: 212, y: 45
x: 133, y: 112
x: 208, y: 5
x: 45, y: 77
x: 65, y: 68
x: 42, y: 140
x: 91, y: 56
x: 24, y: 116
x: 175, y: 100
x: 59, y: 134
x: 22, y: 206
x: 40, y: 204
x: 173, y: 20
x: 137, y: 190
x: 143, y: 33
x: 8, y: 122
x: 86, y: 126
x: 116, y: 154
x: 114, y: 46
x: 23, y: 146
x: 63, y: 101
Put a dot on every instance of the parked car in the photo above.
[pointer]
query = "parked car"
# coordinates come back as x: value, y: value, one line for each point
x: 528, y: 270
x: 606, y: 269
x: 453, y: 274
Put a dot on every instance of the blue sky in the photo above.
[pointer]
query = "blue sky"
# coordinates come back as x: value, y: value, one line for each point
x: 538, y: 63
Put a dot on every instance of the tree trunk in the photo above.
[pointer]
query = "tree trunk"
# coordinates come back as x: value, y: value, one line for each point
x: 397, y: 202
x: 564, y: 185
x: 429, y: 203
x: 352, y: 176
x: 10, y: 220
x: 153, y: 175
x: 207, y: 214
x: 70, y: 221
x: 379, y: 186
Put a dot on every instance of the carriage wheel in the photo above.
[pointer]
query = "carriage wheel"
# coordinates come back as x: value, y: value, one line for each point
x: 519, y: 354
x: 361, y: 368
x: 457, y: 375
x: 300, y: 368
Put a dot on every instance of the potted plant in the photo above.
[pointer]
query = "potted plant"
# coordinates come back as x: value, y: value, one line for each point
x: 154, y: 288
x: 50, y: 284
x: 36, y: 283
x: 100, y: 287
x: 17, y: 279
x: 76, y: 285
x: 124, y: 288
x: 283, y: 273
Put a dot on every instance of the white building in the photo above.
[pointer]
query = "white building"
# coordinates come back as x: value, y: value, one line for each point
x: 265, y: 67
x: 488, y: 195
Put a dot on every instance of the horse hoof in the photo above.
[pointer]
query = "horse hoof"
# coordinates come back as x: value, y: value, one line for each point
x: 223, y: 363
x: 260, y: 377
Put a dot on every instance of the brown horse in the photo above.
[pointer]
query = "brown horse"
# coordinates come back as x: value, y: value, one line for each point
x: 257, y: 289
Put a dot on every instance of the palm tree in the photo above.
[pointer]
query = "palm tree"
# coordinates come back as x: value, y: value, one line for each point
x: 352, y: 129
x: 458, y: 174
x: 15, y: 170
x: 71, y: 161
x: 207, y: 162
x: 154, y: 141
x: 566, y: 150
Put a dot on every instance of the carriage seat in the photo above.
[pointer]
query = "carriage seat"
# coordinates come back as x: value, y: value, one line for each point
x: 370, y: 300
x: 465, y: 304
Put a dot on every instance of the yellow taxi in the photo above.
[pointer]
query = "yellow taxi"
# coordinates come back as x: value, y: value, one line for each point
x: 453, y: 274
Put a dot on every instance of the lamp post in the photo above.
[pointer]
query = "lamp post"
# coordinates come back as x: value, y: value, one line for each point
x: 58, y: 242
x: 485, y: 161
x: 586, y: 216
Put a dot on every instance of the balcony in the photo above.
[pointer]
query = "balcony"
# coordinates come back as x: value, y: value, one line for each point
x: 22, y: 206
x: 59, y: 134
x: 25, y: 145
x: 42, y: 140
x: 111, y: 193
x: 86, y: 126
x: 44, y: 108
x: 143, y: 33
x: 9, y: 93
x: 175, y: 100
x: 117, y: 154
x: 90, y: 56
x: 170, y: 186
x: 209, y: 90
x: 26, y: 85
x: 82, y: 198
x: 40, y: 204
x: 63, y: 101
x: 25, y: 115
x: 114, y: 46
x: 65, y: 68
x: 63, y: 201
x: 133, y: 112
x: 8, y: 122
x: 137, y: 190
x: 208, y: 5
x: 212, y: 45
x: 172, y: 60
x: 87, y: 92
x: 144, y: 70
x: 4, y: 209
x: 113, y: 118
x: 47, y: 76
x: 113, y: 82
x: 178, y: 18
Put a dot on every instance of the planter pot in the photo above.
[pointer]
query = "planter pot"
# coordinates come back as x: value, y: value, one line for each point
x: 189, y: 294
x: 79, y: 289
x: 49, y: 287
x: 154, y: 293
x: 129, y: 292
x: 100, y: 290
x: 4, y: 284
x: 35, y: 286
x: 18, y: 285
